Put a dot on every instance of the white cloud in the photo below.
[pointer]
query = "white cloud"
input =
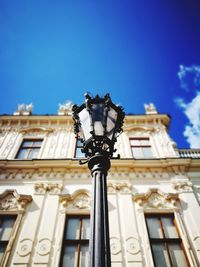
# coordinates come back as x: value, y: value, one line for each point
x: 189, y: 77
x: 190, y: 81
x: 192, y: 112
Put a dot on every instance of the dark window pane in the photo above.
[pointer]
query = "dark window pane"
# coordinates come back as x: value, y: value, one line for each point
x: 33, y: 153
x: 160, y: 256
x: 177, y: 255
x: 2, y: 250
x: 6, y: 225
x: 144, y: 142
x: 73, y: 225
x: 169, y: 227
x: 23, y: 153
x: 154, y: 227
x: 29, y: 149
x: 27, y: 143
x: 85, y: 228
x: 37, y: 143
x: 70, y: 256
x: 147, y: 152
x: 79, y: 143
x: 79, y: 153
x: 134, y: 142
x: 84, y: 256
x: 137, y: 152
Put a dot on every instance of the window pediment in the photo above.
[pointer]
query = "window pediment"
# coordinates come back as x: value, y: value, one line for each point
x: 155, y: 199
x: 36, y: 129
x: 10, y: 200
x: 80, y: 199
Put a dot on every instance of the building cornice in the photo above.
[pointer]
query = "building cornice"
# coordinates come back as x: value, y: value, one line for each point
x: 172, y: 164
x: 145, y: 119
x: 132, y: 121
x: 34, y: 120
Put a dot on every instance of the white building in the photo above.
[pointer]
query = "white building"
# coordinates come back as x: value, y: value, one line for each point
x: 153, y: 194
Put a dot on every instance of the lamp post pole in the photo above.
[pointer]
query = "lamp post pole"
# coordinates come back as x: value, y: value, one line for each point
x: 97, y: 123
x: 99, y: 242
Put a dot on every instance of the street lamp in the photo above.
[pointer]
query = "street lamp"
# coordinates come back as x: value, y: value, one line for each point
x: 97, y: 123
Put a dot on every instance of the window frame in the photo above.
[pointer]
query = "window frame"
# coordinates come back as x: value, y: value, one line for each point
x: 141, y: 146
x: 29, y: 148
x: 165, y: 241
x: 77, y: 242
x: 78, y: 146
x: 10, y: 242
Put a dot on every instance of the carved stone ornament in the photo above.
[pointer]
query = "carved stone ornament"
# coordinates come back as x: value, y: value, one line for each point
x: 44, y: 247
x: 80, y: 199
x: 37, y: 130
x: 115, y: 245
x: 24, y: 247
x: 132, y: 245
x: 150, y: 108
x: 182, y: 185
x: 65, y: 109
x: 10, y: 200
x: 52, y: 188
x: 24, y: 109
x: 119, y: 187
x: 156, y: 199
x: 138, y: 131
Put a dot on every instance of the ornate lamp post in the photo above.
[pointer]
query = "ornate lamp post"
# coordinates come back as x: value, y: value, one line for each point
x: 97, y: 123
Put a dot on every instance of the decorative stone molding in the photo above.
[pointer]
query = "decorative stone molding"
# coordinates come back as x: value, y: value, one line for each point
x: 155, y: 199
x: 35, y: 130
x: 10, y: 200
x: 44, y: 247
x: 182, y: 185
x: 115, y: 245
x: 150, y: 109
x: 119, y: 187
x: 140, y: 131
x: 52, y: 188
x: 24, y: 247
x: 80, y: 199
x: 24, y: 109
x: 132, y: 245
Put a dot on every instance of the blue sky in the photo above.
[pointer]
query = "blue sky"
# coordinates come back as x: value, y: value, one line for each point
x: 53, y: 51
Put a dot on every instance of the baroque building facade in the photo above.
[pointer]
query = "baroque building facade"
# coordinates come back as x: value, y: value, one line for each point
x: 45, y: 195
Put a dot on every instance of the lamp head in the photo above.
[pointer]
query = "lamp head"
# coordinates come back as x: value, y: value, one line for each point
x: 97, y: 123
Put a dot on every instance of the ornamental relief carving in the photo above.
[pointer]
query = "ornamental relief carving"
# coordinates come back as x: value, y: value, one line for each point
x: 35, y: 131
x: 182, y: 185
x: 10, y: 200
x: 52, y: 188
x: 115, y: 245
x: 24, y: 247
x: 80, y: 199
x: 138, y: 130
x: 156, y: 199
x: 119, y: 187
x: 44, y: 247
x: 132, y: 245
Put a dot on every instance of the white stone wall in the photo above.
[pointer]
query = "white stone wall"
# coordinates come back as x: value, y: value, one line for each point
x: 44, y: 192
x: 59, y: 142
